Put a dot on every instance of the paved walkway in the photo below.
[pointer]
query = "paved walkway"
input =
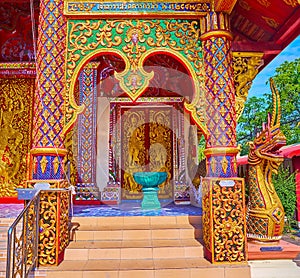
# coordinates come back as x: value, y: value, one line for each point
x: 274, y: 269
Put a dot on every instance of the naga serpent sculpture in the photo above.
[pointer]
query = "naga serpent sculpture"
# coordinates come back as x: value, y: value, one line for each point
x: 265, y: 213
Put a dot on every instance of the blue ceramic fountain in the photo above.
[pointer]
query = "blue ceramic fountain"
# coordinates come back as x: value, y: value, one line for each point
x: 150, y: 182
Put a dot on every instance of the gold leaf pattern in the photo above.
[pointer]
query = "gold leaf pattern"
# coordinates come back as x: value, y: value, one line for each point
x: 16, y: 101
x: 293, y: 3
x: 271, y: 22
x: 44, y: 162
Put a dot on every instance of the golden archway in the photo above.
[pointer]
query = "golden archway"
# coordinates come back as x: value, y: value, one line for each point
x: 134, y: 41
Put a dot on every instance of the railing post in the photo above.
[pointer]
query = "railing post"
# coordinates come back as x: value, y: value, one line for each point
x: 24, y: 244
x: 37, y: 229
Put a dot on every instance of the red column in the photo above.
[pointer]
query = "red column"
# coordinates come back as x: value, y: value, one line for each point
x: 296, y: 166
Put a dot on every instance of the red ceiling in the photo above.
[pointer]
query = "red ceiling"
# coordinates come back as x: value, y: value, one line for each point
x: 258, y: 25
x: 265, y: 25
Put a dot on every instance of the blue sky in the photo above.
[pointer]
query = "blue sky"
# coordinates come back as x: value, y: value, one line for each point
x: 290, y: 53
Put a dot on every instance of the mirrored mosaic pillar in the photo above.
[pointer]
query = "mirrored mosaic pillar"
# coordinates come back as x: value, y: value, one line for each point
x: 86, y: 186
x: 223, y: 193
x: 48, y: 151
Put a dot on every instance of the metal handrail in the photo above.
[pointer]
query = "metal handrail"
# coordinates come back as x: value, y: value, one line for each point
x: 22, y: 244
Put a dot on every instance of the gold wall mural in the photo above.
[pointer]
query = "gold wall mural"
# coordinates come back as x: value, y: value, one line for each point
x: 161, y: 144
x: 133, y: 150
x: 146, y: 146
x: 16, y: 97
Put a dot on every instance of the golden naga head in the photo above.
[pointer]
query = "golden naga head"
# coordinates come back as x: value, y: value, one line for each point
x: 270, y: 139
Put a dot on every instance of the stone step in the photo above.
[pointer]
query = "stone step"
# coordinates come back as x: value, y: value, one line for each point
x: 135, y: 238
x: 131, y: 247
x: 136, y: 226
x: 3, y: 257
x: 130, y: 268
x: 2, y: 265
x: 141, y: 228
x: 3, y: 268
x: 3, y: 244
x: 6, y: 222
x: 129, y: 222
x: 133, y: 243
x: 3, y: 234
x: 134, y: 252
x: 2, y: 274
x: 135, y: 234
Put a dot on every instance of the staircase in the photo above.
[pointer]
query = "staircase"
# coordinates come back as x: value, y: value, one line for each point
x: 154, y: 246
x: 4, y: 225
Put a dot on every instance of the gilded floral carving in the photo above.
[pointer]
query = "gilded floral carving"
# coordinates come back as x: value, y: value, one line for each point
x: 48, y: 229
x: 15, y: 114
x: 224, y: 227
x: 133, y: 41
x: 246, y: 66
x: 228, y: 223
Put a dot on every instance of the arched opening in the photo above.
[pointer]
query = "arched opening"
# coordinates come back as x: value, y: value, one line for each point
x: 125, y: 136
x: 171, y: 77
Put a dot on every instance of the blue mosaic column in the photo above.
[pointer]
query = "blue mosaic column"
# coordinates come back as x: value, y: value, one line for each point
x: 48, y: 151
x: 87, y: 141
x: 223, y: 200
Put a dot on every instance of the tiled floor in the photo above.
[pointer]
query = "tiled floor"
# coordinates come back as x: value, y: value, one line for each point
x: 134, y: 209
x: 124, y: 209
x: 10, y: 210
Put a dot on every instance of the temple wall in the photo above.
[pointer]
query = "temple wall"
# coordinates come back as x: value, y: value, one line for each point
x: 102, y: 142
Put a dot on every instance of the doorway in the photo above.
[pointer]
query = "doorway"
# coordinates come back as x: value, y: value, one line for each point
x: 147, y: 145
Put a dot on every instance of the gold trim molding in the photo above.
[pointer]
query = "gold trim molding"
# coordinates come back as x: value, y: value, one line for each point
x: 221, y: 151
x: 16, y: 65
x: 145, y: 8
x: 48, y: 151
x: 216, y: 33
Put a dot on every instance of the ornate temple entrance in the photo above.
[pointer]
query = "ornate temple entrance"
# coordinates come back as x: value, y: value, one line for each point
x: 72, y: 35
x: 147, y: 135
x: 204, y: 49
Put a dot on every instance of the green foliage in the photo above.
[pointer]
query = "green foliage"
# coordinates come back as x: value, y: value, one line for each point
x: 250, y: 122
x: 287, y: 82
x: 285, y: 186
x: 201, y: 148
